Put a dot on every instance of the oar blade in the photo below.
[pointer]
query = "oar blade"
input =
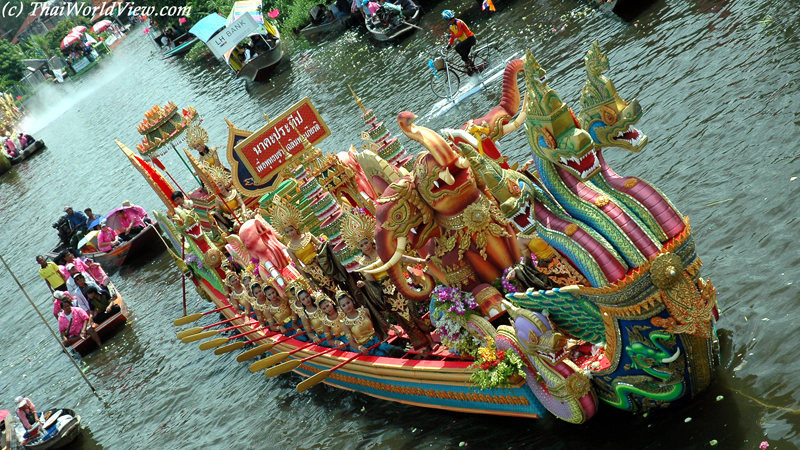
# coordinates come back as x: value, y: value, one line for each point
x: 214, y: 343
x: 189, y: 332
x: 198, y: 336
x: 313, y: 381
x: 268, y: 361
x: 187, y: 319
x: 253, y: 352
x: 283, y: 368
x: 229, y: 348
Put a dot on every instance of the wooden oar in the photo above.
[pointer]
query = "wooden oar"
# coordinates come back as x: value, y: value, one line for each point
x: 214, y: 343
x: 276, y: 358
x: 196, y: 330
x: 321, y: 376
x: 293, y: 364
x: 205, y: 334
x: 264, y: 348
x: 192, y: 317
x: 237, y: 345
x: 411, y: 25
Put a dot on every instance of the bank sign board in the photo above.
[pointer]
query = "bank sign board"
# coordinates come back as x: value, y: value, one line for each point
x: 232, y: 35
x: 263, y: 155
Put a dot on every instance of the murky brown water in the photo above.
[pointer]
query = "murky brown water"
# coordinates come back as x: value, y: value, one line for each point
x: 718, y: 81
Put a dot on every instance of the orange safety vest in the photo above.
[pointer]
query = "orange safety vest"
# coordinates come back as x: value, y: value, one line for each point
x: 459, y: 30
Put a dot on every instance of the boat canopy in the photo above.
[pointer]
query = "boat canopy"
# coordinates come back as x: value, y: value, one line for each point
x: 208, y: 26
x: 252, y: 7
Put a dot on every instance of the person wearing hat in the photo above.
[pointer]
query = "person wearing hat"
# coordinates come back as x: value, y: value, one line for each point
x: 459, y: 30
x: 51, y: 274
x: 74, y: 324
x: 107, y: 238
x: 57, y: 297
x: 26, y: 412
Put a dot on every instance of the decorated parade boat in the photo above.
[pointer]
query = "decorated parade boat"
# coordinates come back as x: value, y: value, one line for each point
x: 540, y: 290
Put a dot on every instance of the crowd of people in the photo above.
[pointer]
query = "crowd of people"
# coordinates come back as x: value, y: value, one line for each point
x: 13, y: 149
x: 81, y: 296
x: 131, y: 220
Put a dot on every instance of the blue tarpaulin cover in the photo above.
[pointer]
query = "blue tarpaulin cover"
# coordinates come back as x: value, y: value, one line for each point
x: 207, y: 26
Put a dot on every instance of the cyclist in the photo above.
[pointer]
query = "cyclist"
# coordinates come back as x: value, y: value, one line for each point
x: 458, y: 29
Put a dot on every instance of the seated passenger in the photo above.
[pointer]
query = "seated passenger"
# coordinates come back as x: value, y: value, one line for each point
x: 11, y: 149
x: 409, y: 7
x: 107, y: 238
x: 23, y: 142
x: 102, y: 306
x: 278, y: 312
x: 74, y: 324
x: 332, y: 321
x: 357, y: 324
x: 344, y: 8
x: 130, y: 222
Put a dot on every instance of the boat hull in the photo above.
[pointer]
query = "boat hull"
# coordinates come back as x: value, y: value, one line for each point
x: 5, y: 163
x: 261, y: 66
x: 182, y: 49
x: 29, y: 150
x: 427, y: 383
x: 396, y: 32
x: 327, y: 29
x: 106, y: 329
x: 64, y: 437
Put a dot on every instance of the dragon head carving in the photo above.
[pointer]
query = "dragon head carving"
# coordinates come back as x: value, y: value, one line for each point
x: 553, y: 132
x: 607, y: 117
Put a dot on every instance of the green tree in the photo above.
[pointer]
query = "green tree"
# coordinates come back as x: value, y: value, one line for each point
x: 11, y: 66
x: 38, y: 46
x: 63, y: 28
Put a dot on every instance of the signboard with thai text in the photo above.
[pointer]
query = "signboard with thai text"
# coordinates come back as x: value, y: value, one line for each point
x: 260, y: 159
x: 232, y: 35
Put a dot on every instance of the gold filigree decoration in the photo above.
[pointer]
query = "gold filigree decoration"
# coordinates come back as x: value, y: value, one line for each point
x: 356, y: 227
x: 476, y: 220
x: 570, y: 229
x: 631, y: 182
x: 457, y: 277
x: 601, y: 201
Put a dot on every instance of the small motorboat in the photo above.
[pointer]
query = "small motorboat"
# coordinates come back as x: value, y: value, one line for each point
x: 29, y: 150
x: 61, y: 426
x: 106, y: 329
x: 266, y: 39
x: 182, y: 49
x: 328, y: 25
x: 145, y: 242
x: 391, y: 32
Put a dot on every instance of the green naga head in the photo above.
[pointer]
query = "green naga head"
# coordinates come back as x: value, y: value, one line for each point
x: 553, y: 132
x: 605, y: 115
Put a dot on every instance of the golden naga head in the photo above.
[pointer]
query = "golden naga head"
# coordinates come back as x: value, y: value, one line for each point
x: 607, y: 117
x: 552, y: 129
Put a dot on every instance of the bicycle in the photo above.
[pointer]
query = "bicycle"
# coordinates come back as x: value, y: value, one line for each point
x: 445, y: 81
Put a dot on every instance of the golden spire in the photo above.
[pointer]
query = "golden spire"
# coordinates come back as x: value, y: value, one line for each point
x: 358, y: 100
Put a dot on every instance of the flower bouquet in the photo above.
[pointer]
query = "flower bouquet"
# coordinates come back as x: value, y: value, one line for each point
x: 495, y: 367
x: 452, y: 308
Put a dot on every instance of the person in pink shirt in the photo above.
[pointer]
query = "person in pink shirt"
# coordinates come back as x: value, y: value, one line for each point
x: 74, y: 324
x: 107, y: 238
x: 131, y: 223
x: 11, y: 149
x: 26, y: 412
x: 57, y: 297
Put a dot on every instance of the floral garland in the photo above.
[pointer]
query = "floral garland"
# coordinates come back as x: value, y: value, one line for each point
x: 494, y: 368
x: 191, y: 258
x: 455, y: 307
